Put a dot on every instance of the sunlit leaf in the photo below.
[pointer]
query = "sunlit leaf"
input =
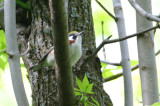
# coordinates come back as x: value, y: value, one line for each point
x: 76, y: 89
x: 78, y: 93
x: 103, y: 65
x: 2, y: 64
x: 134, y: 62
x: 22, y: 65
x: 85, y: 81
x: 156, y: 104
x: 80, y: 84
x: 2, y: 40
x: 89, y: 89
x: 106, y: 73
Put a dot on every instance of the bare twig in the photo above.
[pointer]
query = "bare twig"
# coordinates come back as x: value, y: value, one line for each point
x: 87, y: 58
x: 5, y: 51
x: 110, y: 63
x: 104, y: 54
x: 120, y: 74
x: 158, y: 52
x: 106, y: 10
x: 106, y: 41
x: 139, y: 101
x: 142, y: 12
x: 26, y: 50
x: 9, y: 54
x: 100, y: 46
x: 155, y: 29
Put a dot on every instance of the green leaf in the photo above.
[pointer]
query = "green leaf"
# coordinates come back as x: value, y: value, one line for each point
x: 80, y: 84
x: 0, y: 1
x: 156, y: 104
x: 118, y: 67
x: 89, y: 88
x: 85, y: 98
x: 85, y: 81
x: 95, y: 101
x: 134, y: 62
x: 24, y: 5
x: 3, y: 63
x: 2, y: 40
x: 106, y: 73
x: 78, y: 93
x: 76, y: 89
x: 103, y: 65
x: 91, y: 104
x: 85, y: 103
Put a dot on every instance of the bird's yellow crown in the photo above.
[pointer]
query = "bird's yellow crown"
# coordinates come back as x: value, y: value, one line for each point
x: 72, y: 32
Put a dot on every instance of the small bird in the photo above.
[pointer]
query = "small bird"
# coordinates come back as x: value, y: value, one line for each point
x: 75, y: 52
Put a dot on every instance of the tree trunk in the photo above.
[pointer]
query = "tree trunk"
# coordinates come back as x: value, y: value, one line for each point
x: 125, y: 61
x: 147, y: 63
x: 43, y: 83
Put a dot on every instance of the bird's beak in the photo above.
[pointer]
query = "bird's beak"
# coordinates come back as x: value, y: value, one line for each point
x: 80, y: 33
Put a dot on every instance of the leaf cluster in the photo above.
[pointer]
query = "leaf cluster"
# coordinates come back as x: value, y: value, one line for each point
x: 84, y: 89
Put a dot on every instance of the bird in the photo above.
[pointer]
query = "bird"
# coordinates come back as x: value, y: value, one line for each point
x: 75, y: 52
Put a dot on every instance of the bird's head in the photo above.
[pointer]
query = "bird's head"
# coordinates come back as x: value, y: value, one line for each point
x: 75, y: 37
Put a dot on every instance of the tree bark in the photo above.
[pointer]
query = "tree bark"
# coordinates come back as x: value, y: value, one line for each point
x: 125, y: 61
x: 43, y: 83
x: 147, y: 63
x: 13, y: 52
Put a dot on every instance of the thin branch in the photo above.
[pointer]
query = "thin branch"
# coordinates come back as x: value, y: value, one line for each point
x: 106, y: 41
x: 139, y: 101
x: 104, y: 53
x: 121, y: 74
x: 158, y: 52
x: 26, y: 50
x: 106, y: 10
x: 110, y: 63
x: 10, y: 55
x: 142, y: 12
x: 5, y: 51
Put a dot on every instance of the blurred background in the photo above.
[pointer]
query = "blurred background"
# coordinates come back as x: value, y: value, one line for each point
x: 115, y: 87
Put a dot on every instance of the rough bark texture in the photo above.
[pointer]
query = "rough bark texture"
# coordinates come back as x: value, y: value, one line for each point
x: 44, y: 86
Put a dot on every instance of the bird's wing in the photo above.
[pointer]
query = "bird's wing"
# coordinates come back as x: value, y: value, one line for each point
x: 45, y: 55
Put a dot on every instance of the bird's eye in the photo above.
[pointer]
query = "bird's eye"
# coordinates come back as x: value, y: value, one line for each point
x: 74, y: 37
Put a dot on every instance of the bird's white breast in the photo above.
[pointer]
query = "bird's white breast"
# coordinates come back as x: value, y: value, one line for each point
x: 75, y: 51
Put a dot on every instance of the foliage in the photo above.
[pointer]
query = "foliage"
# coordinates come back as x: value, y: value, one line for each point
x: 22, y: 4
x: 107, y: 72
x: 156, y: 104
x: 85, y: 89
x: 100, y: 15
x: 134, y: 62
x: 3, y: 56
x: 1, y: 4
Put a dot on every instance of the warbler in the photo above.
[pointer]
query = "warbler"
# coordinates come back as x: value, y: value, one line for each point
x: 75, y: 52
